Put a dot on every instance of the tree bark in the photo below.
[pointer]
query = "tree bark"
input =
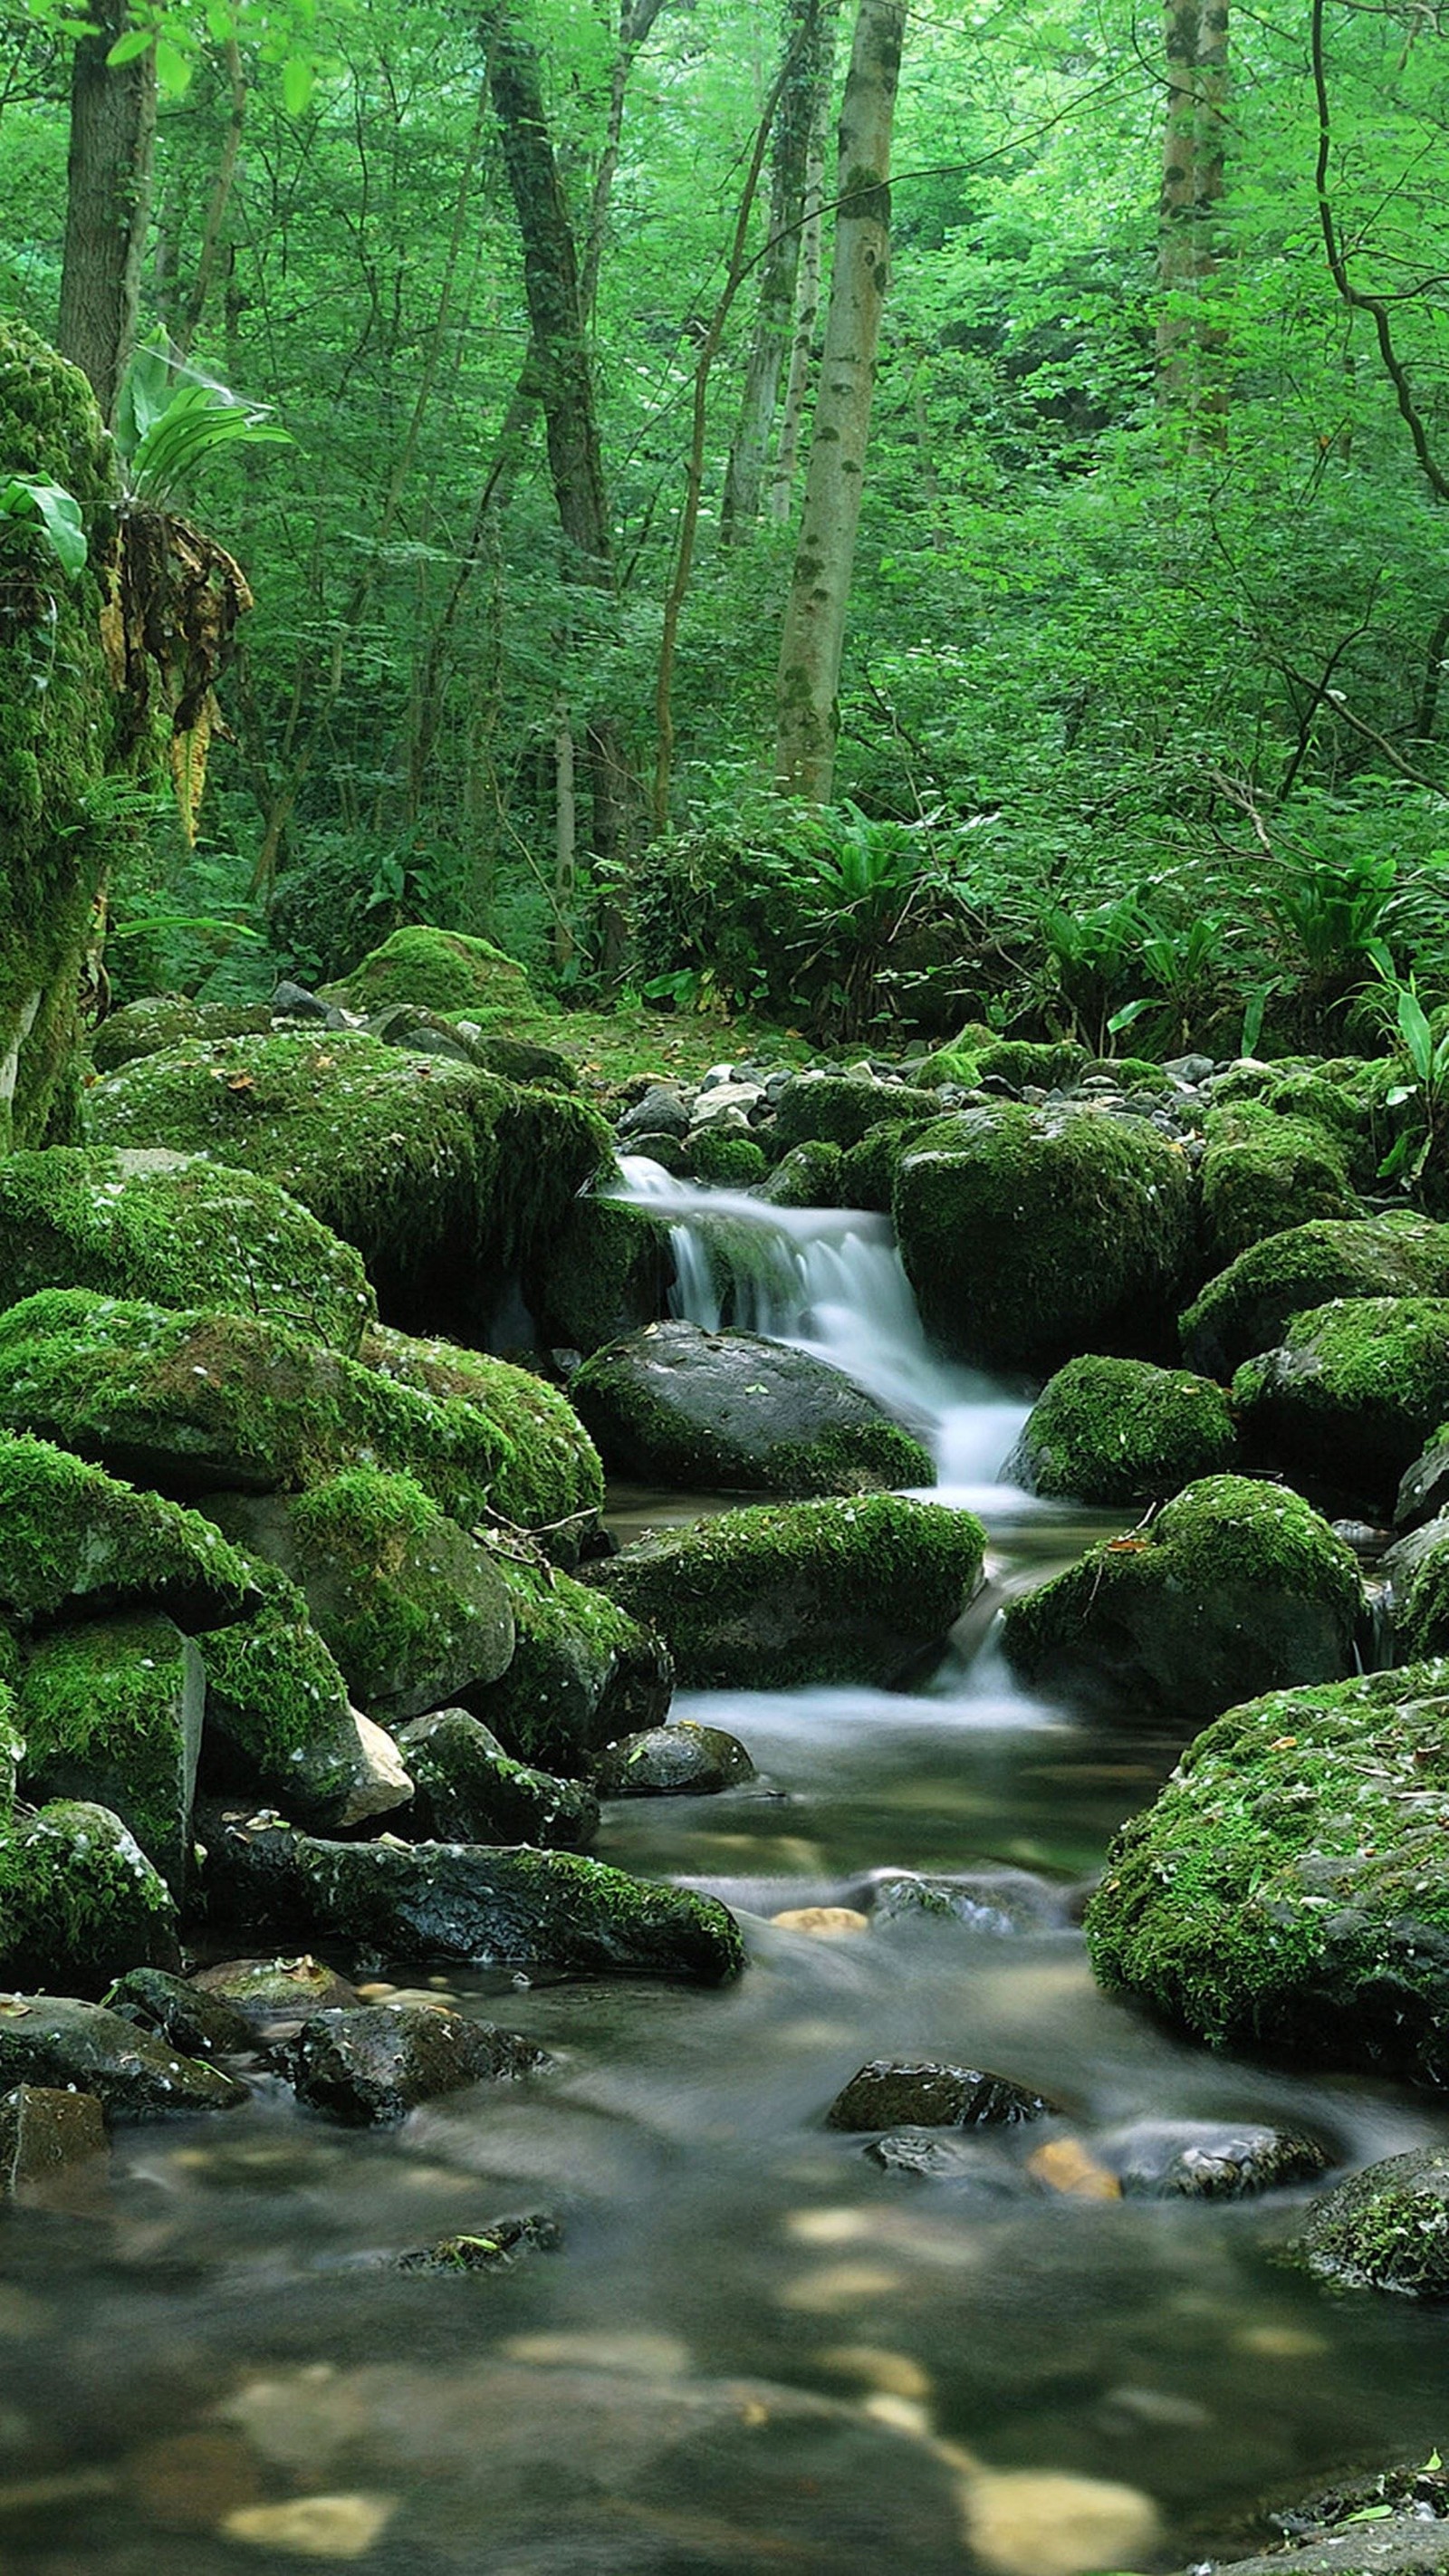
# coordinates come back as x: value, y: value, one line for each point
x: 807, y: 299
x: 1191, y: 347
x: 108, y: 203
x: 814, y: 634
x: 636, y: 20
x: 805, y: 52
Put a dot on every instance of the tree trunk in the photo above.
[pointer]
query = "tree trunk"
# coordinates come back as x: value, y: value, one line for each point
x: 814, y: 636
x: 1190, y: 347
x: 805, y: 54
x: 108, y: 202
x: 636, y: 20
x: 807, y: 302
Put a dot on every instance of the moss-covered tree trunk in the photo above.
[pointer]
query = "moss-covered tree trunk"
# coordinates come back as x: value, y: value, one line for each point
x: 1191, y: 375
x: 108, y: 201
x: 814, y: 636
x: 56, y: 728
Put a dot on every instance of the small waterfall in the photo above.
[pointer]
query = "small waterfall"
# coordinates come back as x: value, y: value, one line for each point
x: 830, y: 1281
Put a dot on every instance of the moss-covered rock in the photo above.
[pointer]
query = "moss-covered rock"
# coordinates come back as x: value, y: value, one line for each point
x: 583, y: 1670
x: 1262, y: 1174
x: 868, y: 1170
x: 164, y: 1019
x: 1287, y: 1889
x: 1248, y: 1307
x: 551, y: 1483
x: 1028, y: 1232
x: 1386, y: 2228
x: 410, y: 1605
x: 78, y: 2047
x: 443, y: 1177
x: 802, y: 1592
x: 1418, y: 1598
x: 808, y: 1177
x: 76, y: 1537
x: 111, y: 1715
x: 1122, y: 1431
x: 194, y: 1401
x: 684, y: 1760
x: 1352, y: 1392
x: 470, y: 1791
x: 841, y: 1108
x: 608, y: 1270
x: 57, y: 730
x: 79, y: 1904
x: 487, y: 1908
x: 278, y: 1720
x: 726, y: 1162
x: 1236, y: 1587
x: 177, y: 1229
x: 439, y: 970
x: 1047, y: 1063
x: 676, y: 1406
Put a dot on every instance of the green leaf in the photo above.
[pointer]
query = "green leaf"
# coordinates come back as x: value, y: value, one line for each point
x: 25, y: 496
x: 298, y: 74
x: 1432, y: 2463
x: 127, y: 48
x: 173, y: 68
x: 1371, y: 2513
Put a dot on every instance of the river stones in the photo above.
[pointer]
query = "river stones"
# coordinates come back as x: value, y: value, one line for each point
x: 1029, y: 1233
x: 1248, y: 1307
x: 369, y: 2067
x: 111, y: 1714
x: 1234, y: 1588
x: 1122, y: 1431
x: 677, y: 1406
x: 998, y: 1902
x: 896, y: 2093
x: 79, y: 1901
x: 468, y: 1790
x: 1353, y: 1392
x: 53, y: 2149
x: 1386, y: 2228
x: 1207, y: 2160
x: 1264, y: 1172
x: 198, y: 2022
x: 841, y: 1108
x: 684, y: 1760
x: 970, y: 2168
x: 61, y: 2044
x: 1287, y: 1889
x: 488, y: 1908
x: 802, y: 1592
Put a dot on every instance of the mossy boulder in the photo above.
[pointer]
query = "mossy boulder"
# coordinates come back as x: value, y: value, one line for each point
x: 726, y: 1162
x: 730, y: 1411
x: 802, y: 1592
x: 179, y: 1230
x: 1234, y: 1588
x: 1287, y: 1889
x: 79, y: 2047
x: 868, y: 1170
x: 1386, y: 2228
x: 111, y: 1715
x: 468, y: 1790
x: 608, y: 1270
x: 191, y: 1402
x: 1248, y: 1307
x: 808, y: 1177
x: 279, y: 1723
x: 583, y: 1671
x: 439, y: 970
x: 551, y: 1482
x: 1352, y: 1392
x: 1027, y: 1233
x: 479, y: 1906
x: 1122, y: 1431
x: 444, y: 1178
x: 841, y: 1108
x: 57, y: 730
x: 684, y: 1760
x: 78, y: 1538
x: 164, y: 1019
x: 411, y: 1607
x: 1418, y: 1572
x: 1262, y: 1174
x: 79, y: 1904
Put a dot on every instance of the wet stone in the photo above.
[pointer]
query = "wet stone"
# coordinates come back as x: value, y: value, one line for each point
x: 470, y: 1791
x: 57, y: 2043
x: 53, y: 2150
x: 1385, y: 2229
x: 998, y: 1902
x: 970, y: 2168
x: 197, y: 2022
x: 492, y: 2249
x: 896, y: 2093
x: 1208, y: 2160
x: 374, y: 2065
x: 272, y: 1993
x: 684, y: 1760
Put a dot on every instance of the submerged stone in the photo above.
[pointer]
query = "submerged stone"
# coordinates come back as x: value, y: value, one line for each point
x: 896, y: 2093
x: 970, y: 2168
x: 1207, y: 2160
x: 270, y: 1993
x: 490, y: 2249
x: 999, y: 1902
x: 373, y: 2066
x: 53, y: 2149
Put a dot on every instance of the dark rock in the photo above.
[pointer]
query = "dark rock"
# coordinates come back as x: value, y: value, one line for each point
x: 269, y: 1995
x: 1207, y: 2160
x: 53, y: 2150
x: 1385, y: 2229
x: 975, y: 2169
x: 998, y: 1901
x: 583, y: 1670
x: 79, y: 1901
x: 1353, y: 1392
x: 486, y: 1907
x: 370, y: 2066
x: 662, y: 1111
x: 492, y: 2249
x: 468, y: 1790
x: 60, y: 2044
x: 293, y: 1002
x: 1424, y: 1488
x: 684, y: 1760
x: 891, y: 2094
x: 199, y: 2023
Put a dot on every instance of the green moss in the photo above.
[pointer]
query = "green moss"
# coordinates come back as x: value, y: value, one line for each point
x: 809, y: 1177
x: 1130, y: 1073
x: 1354, y: 1390
x: 1120, y: 1431
x: 440, y: 970
x: 74, y: 1534
x: 1249, y: 1306
x: 163, y: 1019
x: 1421, y: 1598
x: 868, y: 1170
x: 1050, y: 1064
x: 726, y: 1162
x: 1028, y: 1232
x: 111, y: 1712
x: 840, y: 1108
x: 583, y: 1671
x: 606, y: 1272
x: 550, y: 1481
x: 441, y: 1175
x: 79, y: 1902
x: 1263, y: 1173
x: 1385, y: 2229
x: 801, y: 1592
x: 277, y: 1697
x: 181, y: 1231
x: 1288, y: 1887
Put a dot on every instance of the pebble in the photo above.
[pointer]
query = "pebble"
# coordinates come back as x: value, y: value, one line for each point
x: 1064, y: 2165
x: 641, y: 2355
x: 1038, y: 2522
x: 825, y: 1922
x: 189, y: 2479
x: 893, y: 2374
x: 335, y: 2526
x: 840, y: 2285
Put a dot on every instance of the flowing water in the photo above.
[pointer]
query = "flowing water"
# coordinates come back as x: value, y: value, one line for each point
x: 756, y: 2349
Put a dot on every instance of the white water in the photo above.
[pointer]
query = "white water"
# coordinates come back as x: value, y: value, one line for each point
x: 830, y: 1281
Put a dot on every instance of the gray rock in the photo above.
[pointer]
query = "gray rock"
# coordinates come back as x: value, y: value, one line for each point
x: 684, y: 1760
x: 967, y: 2166
x: 468, y: 1790
x: 199, y: 2023
x: 371, y: 2066
x: 997, y: 1901
x: 898, y: 2093
x: 1207, y: 2160
x: 1387, y: 2228
x: 494, y: 2248
x: 662, y: 1112
x: 61, y: 2044
x: 293, y: 1002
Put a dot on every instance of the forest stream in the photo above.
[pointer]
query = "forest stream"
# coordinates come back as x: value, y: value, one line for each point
x: 756, y: 2347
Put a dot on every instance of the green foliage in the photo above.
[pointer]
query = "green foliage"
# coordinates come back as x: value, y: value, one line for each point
x: 55, y: 511
x: 164, y: 430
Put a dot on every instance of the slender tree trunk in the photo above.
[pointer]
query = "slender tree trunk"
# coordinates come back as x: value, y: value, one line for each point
x: 565, y: 833
x: 1191, y: 347
x: 219, y: 200
x: 814, y: 636
x: 781, y: 494
x: 636, y: 19
x: 108, y: 202
x: 779, y: 268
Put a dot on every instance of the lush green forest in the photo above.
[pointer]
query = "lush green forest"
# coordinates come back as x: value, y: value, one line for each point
x: 1139, y: 704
